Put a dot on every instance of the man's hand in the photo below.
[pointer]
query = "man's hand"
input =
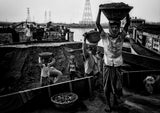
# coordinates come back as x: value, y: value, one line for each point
x: 85, y: 36
x: 127, y: 23
x: 128, y: 18
x: 98, y: 25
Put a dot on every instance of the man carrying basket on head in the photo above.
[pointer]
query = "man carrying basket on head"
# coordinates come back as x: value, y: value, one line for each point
x: 92, y: 61
x: 49, y: 74
x: 112, y: 44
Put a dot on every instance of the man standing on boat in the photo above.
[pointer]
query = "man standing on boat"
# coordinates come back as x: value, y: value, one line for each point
x: 91, y: 63
x: 73, y: 67
x: 49, y: 74
x: 39, y: 33
x: 28, y: 33
x: 112, y: 44
x: 63, y: 33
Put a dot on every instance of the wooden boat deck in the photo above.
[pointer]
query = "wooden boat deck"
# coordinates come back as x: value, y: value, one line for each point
x: 134, y: 103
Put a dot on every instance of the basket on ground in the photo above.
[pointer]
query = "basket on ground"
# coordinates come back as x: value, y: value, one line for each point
x: 115, y: 11
x: 64, y: 100
x: 93, y: 36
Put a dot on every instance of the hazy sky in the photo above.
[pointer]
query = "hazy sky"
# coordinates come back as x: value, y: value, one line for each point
x: 71, y: 10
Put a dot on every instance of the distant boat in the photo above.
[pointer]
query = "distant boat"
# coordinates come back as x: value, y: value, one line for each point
x: 13, y: 33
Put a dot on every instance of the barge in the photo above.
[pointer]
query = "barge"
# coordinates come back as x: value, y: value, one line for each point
x: 20, y: 75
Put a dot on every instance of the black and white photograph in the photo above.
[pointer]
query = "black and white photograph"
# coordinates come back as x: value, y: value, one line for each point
x: 79, y: 56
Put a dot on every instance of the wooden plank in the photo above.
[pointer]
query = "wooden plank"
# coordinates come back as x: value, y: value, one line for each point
x: 143, y: 71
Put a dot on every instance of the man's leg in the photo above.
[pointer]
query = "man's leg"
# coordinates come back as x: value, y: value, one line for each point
x: 118, y: 86
x: 72, y: 74
x: 107, y: 92
x: 107, y: 73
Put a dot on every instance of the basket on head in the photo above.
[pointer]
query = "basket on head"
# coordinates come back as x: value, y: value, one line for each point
x: 115, y: 11
x: 93, y: 36
x: 45, y: 54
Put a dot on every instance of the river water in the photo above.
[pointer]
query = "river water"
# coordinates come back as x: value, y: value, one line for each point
x: 78, y: 34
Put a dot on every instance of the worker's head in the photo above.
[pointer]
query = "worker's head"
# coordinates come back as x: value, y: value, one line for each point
x: 114, y: 27
x: 99, y: 54
x: 72, y: 57
x: 92, y: 48
x: 43, y: 61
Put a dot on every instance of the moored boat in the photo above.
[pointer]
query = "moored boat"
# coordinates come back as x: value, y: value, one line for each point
x: 13, y: 33
x: 145, y: 38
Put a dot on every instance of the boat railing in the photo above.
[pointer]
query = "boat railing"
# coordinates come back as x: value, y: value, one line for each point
x: 18, y: 99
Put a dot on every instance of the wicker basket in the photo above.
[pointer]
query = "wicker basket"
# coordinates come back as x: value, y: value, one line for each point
x: 115, y: 11
x: 93, y: 36
x: 45, y: 54
x: 64, y: 100
x: 46, y: 57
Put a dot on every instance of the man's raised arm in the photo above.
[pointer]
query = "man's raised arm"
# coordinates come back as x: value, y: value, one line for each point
x: 127, y: 23
x: 98, y: 21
